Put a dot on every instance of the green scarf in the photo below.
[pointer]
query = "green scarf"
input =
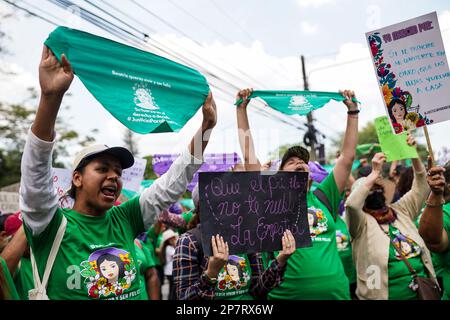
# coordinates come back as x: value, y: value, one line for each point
x: 145, y: 92
x: 296, y: 102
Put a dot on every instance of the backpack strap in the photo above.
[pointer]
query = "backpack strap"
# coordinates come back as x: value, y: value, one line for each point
x: 324, y: 199
x: 40, y: 288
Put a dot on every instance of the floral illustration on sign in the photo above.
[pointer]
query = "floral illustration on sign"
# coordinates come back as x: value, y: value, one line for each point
x: 402, y: 114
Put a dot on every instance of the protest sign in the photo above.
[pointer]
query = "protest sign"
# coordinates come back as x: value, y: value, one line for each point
x: 213, y: 162
x: 251, y: 211
x: 9, y: 202
x: 412, y: 72
x: 132, y: 177
x: 145, y: 92
x: 295, y: 102
x: 394, y: 146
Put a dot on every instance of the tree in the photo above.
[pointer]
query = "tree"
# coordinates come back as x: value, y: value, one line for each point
x: 131, y: 141
x: 15, y: 121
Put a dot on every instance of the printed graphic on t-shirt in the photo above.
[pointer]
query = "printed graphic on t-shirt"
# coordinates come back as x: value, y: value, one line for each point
x: 341, y: 240
x: 234, y: 275
x: 409, y: 247
x: 317, y: 222
x: 108, y: 273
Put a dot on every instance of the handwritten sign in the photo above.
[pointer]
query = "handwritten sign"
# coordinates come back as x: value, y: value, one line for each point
x: 412, y: 72
x: 132, y: 177
x: 394, y: 146
x: 251, y: 211
x: 9, y: 202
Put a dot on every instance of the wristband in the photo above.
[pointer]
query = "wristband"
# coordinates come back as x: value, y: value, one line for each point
x: 208, y: 280
x: 435, y: 205
x: 352, y: 112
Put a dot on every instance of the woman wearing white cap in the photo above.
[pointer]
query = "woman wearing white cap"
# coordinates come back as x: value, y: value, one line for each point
x: 95, y: 258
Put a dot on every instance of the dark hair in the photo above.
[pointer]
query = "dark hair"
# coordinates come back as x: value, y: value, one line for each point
x: 236, y: 264
x: 111, y: 257
x: 295, y: 151
x: 3, y: 218
x: 405, y: 182
x: 81, y: 166
x: 391, y: 105
x: 316, y: 218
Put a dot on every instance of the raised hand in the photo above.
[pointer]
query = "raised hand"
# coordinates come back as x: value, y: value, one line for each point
x: 435, y: 178
x: 411, y: 140
x: 209, y: 112
x: 378, y: 161
x: 54, y: 77
x: 244, y: 95
x: 349, y: 95
x: 219, y: 258
x: 289, y: 247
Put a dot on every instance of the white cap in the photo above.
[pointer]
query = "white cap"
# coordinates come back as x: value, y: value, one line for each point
x: 122, y: 154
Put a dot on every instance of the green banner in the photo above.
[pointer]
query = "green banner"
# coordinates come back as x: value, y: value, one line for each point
x: 394, y: 146
x: 145, y: 92
x: 367, y: 149
x: 296, y: 102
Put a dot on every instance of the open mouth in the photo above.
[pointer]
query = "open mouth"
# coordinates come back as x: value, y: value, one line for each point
x: 109, y: 192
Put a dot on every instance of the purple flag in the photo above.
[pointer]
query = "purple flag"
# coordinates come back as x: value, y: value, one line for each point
x: 214, y: 162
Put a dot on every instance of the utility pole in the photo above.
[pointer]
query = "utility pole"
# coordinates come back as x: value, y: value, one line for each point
x: 311, y: 133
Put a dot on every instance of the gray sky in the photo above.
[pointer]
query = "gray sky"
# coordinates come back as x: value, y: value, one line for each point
x: 262, y: 39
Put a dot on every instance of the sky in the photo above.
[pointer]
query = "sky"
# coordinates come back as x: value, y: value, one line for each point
x: 258, y: 43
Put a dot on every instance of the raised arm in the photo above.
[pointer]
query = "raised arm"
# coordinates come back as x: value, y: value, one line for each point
x: 344, y: 163
x: 251, y: 161
x: 170, y: 186
x: 354, y: 205
x: 431, y: 227
x: 38, y: 199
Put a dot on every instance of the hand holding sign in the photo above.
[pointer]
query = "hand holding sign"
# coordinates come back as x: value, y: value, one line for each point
x: 289, y: 248
x: 54, y: 77
x: 435, y: 178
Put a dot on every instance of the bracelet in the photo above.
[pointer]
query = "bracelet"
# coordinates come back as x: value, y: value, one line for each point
x: 208, y: 280
x: 353, y: 112
x: 431, y: 205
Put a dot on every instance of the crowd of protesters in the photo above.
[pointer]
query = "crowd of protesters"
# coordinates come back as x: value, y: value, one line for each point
x: 372, y: 236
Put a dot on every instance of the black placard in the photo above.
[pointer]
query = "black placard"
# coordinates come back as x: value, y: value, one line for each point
x: 251, y: 210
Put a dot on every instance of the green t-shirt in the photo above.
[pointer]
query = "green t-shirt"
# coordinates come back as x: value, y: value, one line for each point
x: 96, y: 259
x: 11, y: 294
x: 344, y: 247
x: 399, y: 276
x: 317, y: 272
x: 154, y: 241
x: 23, y: 278
x: 145, y: 261
x: 233, y: 281
x: 445, y: 256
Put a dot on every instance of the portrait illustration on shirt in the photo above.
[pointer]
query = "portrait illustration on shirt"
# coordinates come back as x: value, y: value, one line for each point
x: 108, y: 272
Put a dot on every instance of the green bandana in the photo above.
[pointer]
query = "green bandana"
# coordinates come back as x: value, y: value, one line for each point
x: 145, y: 92
x: 296, y: 102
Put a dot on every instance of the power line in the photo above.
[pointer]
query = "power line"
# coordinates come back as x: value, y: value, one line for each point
x: 30, y: 12
x: 39, y: 9
x: 200, y: 22
x: 235, y: 23
x: 189, y: 62
x: 126, y: 36
x: 338, y: 64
